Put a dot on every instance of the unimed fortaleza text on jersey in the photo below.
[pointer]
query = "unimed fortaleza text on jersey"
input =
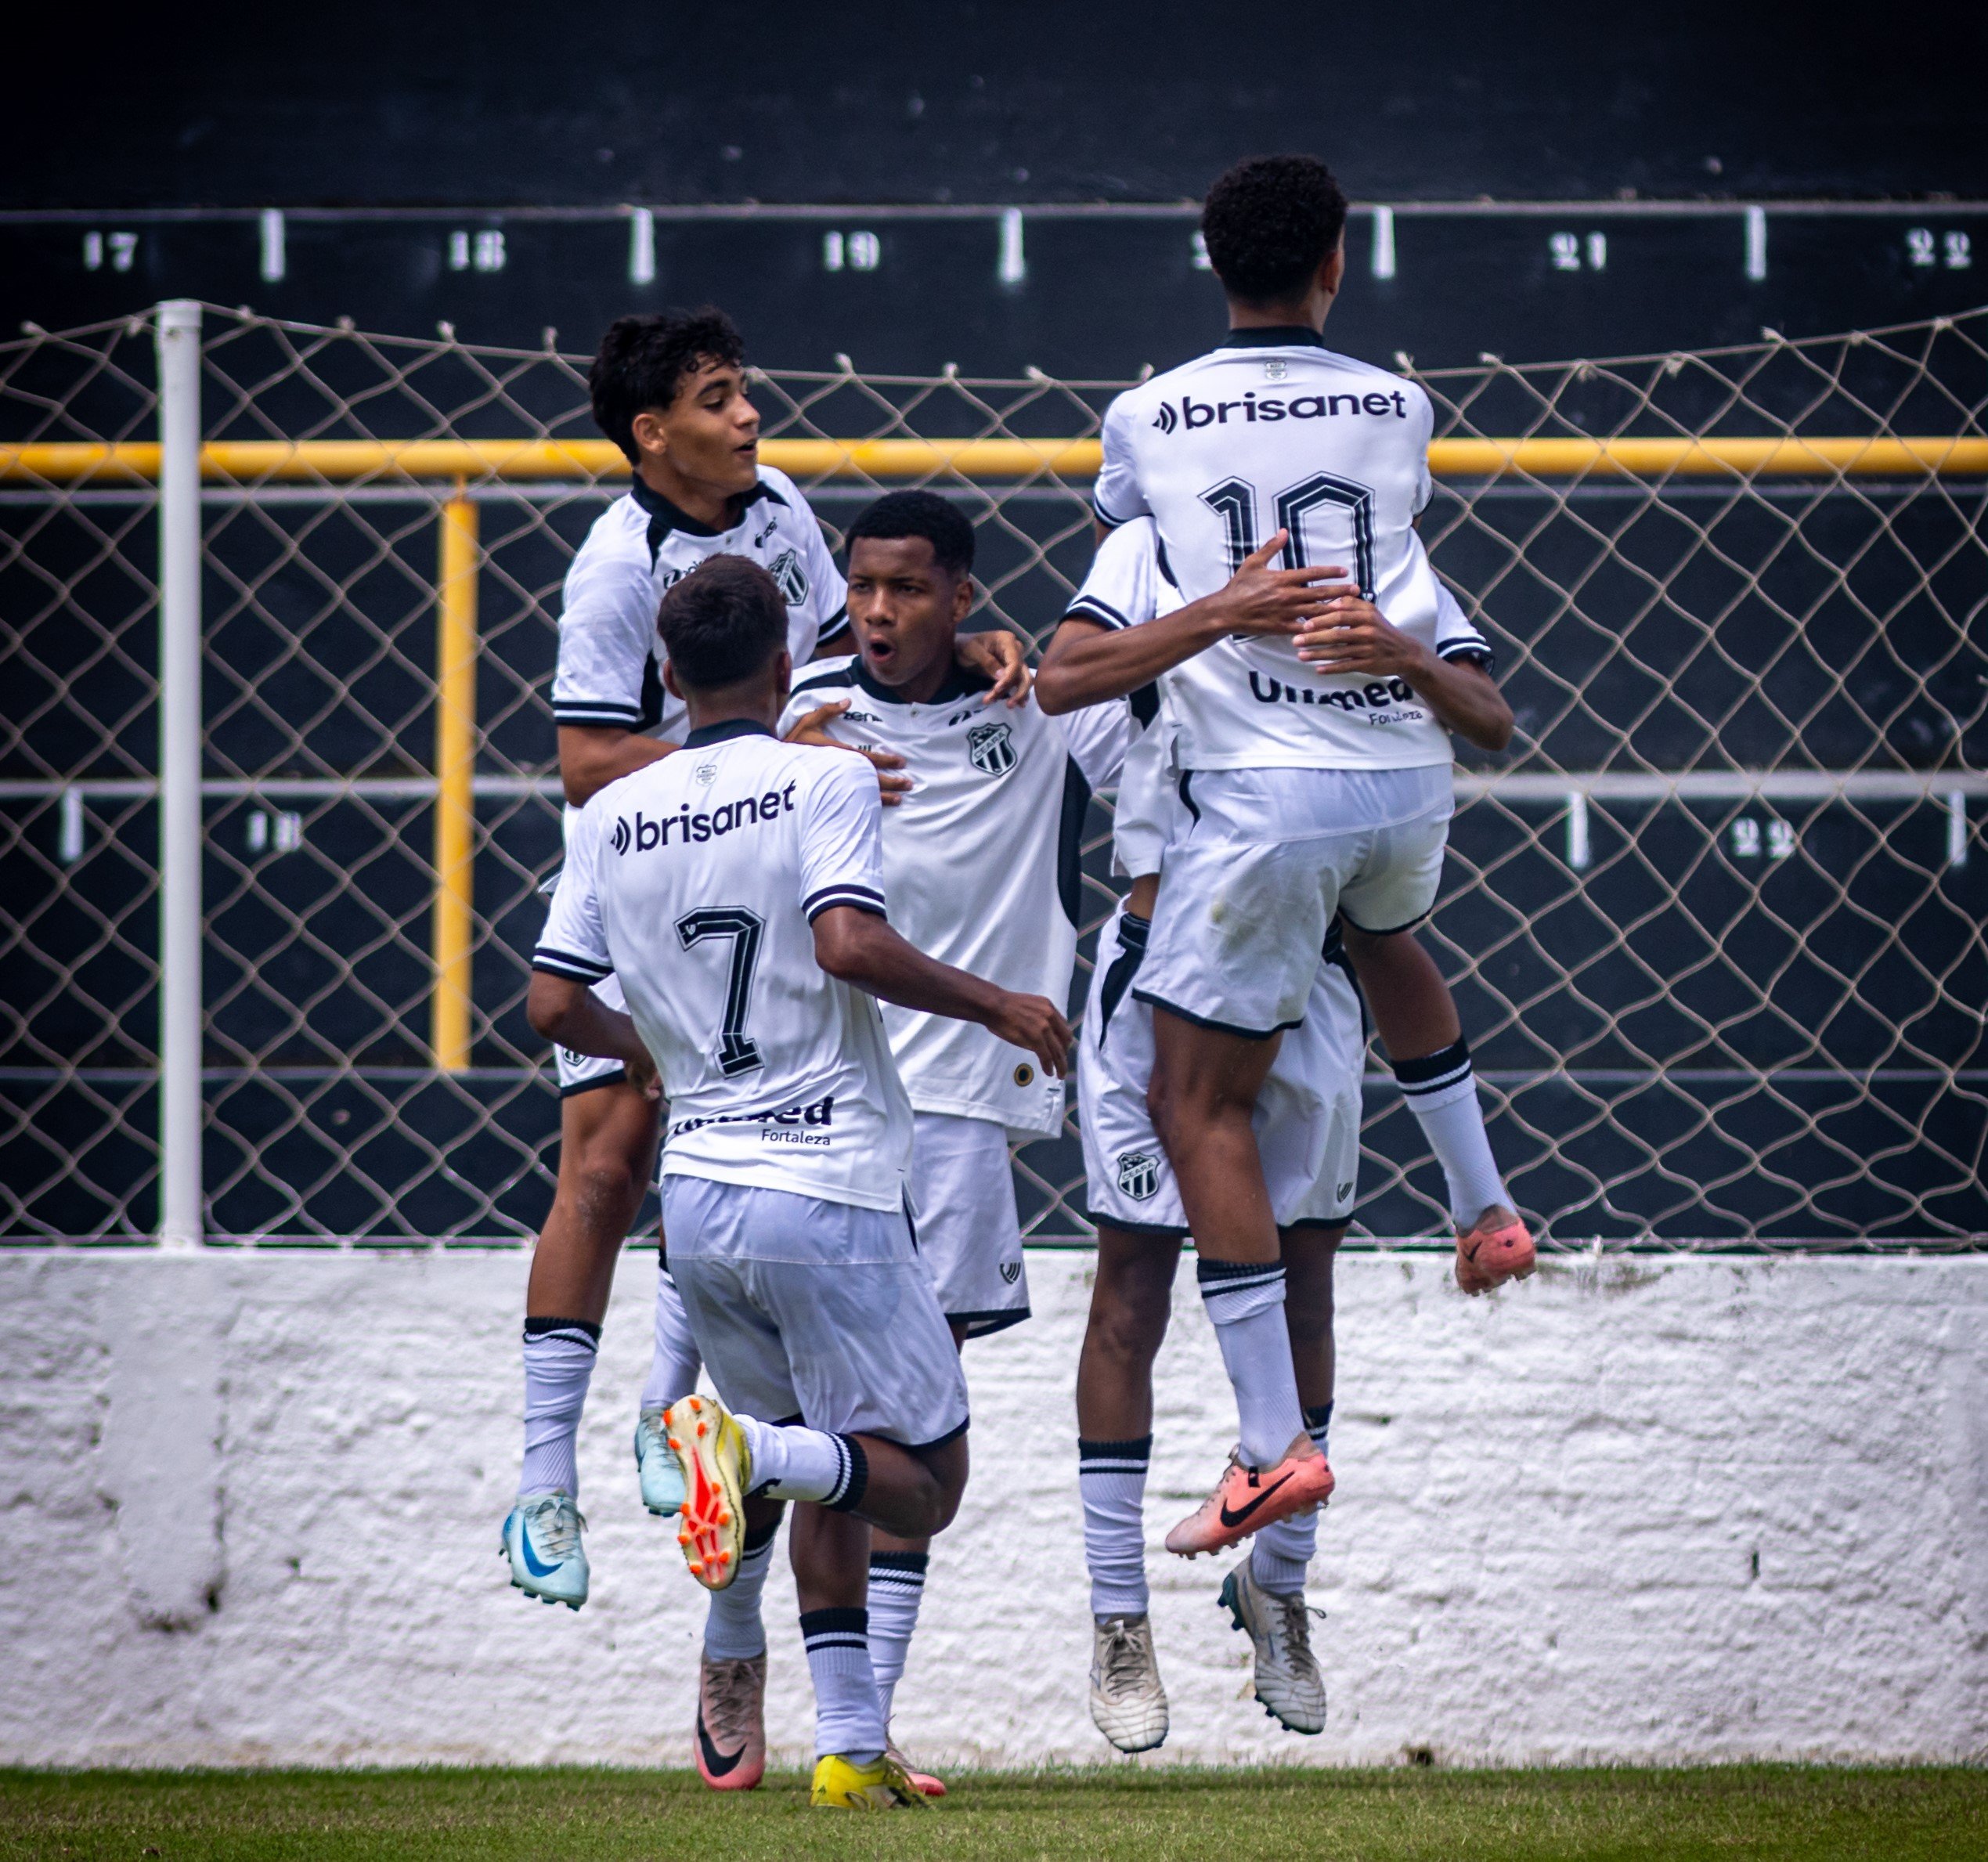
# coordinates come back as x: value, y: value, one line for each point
x: 695, y: 882
x: 980, y: 865
x: 610, y: 668
x: 1274, y: 432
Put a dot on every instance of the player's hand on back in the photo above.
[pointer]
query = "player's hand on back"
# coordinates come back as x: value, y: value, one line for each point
x: 1352, y: 635
x: 998, y: 654
x: 643, y: 1072
x: 814, y: 729
x: 1033, y: 1022
x: 1259, y: 600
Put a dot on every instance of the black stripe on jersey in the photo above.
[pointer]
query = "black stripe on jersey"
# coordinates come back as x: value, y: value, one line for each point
x: 651, y: 692
x: 836, y: 624
x: 1088, y: 608
x: 597, y: 711
x: 1470, y: 649
x: 1105, y: 517
x: 1070, y: 839
x: 563, y: 963
x: 862, y: 898
x: 838, y: 675
x: 1187, y: 794
x: 1145, y: 703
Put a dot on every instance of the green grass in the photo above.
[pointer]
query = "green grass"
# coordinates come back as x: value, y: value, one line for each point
x: 1280, y: 1815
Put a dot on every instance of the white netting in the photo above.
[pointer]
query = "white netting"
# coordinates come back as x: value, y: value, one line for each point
x: 1715, y: 925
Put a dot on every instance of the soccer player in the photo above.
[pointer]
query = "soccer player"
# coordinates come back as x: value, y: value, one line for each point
x: 1314, y: 751
x: 981, y: 865
x: 1307, y: 1122
x: 737, y: 891
x: 671, y: 392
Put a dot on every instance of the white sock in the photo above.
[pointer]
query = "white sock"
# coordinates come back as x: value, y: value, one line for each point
x: 896, y: 1588
x: 1281, y: 1553
x: 1111, y: 1478
x: 1246, y: 1303
x: 674, y: 1363
x: 1442, y: 1090
x: 848, y: 1714
x: 733, y: 1629
x: 797, y: 1463
x: 559, y: 1355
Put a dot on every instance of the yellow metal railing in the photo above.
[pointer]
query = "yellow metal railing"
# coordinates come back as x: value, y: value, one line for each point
x: 332, y: 462
x: 338, y: 461
x: 451, y: 938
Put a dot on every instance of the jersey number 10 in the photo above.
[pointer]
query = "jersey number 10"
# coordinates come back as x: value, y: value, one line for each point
x: 1235, y: 502
x: 738, y: 1052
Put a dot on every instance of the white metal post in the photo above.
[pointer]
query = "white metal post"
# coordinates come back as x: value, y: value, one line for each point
x: 180, y: 1214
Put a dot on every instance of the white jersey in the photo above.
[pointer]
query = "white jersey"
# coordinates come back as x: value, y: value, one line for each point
x: 1274, y: 432
x: 980, y: 862
x: 610, y: 668
x: 695, y: 882
x: 1129, y: 583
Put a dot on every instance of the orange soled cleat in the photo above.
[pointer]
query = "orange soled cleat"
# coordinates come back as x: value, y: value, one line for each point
x: 710, y: 1447
x: 1496, y: 1248
x: 1246, y: 1499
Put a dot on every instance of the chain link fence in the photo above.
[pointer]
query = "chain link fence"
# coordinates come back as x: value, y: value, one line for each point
x: 1715, y: 923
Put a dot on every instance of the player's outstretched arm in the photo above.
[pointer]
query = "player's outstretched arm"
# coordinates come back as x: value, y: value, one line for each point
x: 592, y: 755
x: 1087, y: 664
x: 1353, y: 637
x: 858, y: 947
x: 569, y: 1013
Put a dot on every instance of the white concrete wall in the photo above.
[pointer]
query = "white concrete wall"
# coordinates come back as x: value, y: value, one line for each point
x: 1658, y: 1509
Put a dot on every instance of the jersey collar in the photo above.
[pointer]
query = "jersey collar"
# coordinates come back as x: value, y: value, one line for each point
x: 722, y: 733
x: 665, y: 517
x: 960, y: 683
x: 1274, y: 336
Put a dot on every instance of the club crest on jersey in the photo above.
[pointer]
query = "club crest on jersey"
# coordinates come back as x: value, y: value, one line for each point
x: 1138, y: 1174
x: 785, y: 569
x: 991, y: 749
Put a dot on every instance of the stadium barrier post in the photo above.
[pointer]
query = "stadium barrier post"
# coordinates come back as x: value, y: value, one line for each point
x: 181, y: 1216
x: 455, y: 772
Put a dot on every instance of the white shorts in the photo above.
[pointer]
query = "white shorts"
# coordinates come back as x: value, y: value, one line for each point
x: 968, y: 1229
x: 1247, y: 899
x: 582, y: 1072
x: 1308, y: 1115
x: 813, y: 1311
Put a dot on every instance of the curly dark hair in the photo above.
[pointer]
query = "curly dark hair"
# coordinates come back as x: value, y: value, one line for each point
x: 643, y: 360
x: 939, y: 521
x: 1270, y: 222
x: 722, y: 623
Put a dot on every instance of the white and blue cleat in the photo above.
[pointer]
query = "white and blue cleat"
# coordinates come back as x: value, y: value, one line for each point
x: 541, y: 1539
x: 662, y: 1473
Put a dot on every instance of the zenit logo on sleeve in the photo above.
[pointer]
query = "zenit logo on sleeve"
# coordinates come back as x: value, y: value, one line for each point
x: 1196, y: 414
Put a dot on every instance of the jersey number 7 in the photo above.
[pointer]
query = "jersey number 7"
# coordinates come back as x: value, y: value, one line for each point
x: 738, y: 1052
x: 1235, y: 502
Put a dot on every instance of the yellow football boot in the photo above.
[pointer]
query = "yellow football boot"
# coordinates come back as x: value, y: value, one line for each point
x: 885, y: 1785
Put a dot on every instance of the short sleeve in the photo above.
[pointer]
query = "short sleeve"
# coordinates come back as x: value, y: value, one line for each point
x: 607, y: 634
x: 1425, y: 486
x: 1122, y: 589
x: 1117, y: 498
x: 841, y: 837
x: 1097, y: 735
x: 1456, y: 638
x: 1149, y: 818
x: 827, y: 598
x: 575, y: 941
